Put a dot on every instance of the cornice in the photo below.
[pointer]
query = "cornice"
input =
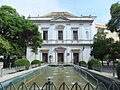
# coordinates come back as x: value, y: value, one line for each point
x: 66, y: 44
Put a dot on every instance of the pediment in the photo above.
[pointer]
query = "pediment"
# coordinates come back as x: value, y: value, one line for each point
x: 60, y: 18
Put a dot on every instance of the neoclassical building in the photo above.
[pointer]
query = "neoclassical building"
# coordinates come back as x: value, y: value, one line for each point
x: 66, y: 38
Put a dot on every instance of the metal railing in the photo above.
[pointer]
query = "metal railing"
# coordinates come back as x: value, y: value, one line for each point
x: 51, y: 86
x: 86, y: 74
x: 6, y: 71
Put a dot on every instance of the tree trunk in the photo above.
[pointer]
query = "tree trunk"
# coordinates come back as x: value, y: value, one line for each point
x: 119, y: 36
x: 113, y: 67
x: 108, y: 63
x: 102, y: 63
x: 6, y: 62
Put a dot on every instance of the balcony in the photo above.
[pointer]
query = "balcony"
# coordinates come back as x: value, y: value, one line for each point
x: 81, y: 41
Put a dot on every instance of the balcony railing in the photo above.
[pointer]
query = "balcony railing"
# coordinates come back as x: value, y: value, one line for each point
x: 68, y: 41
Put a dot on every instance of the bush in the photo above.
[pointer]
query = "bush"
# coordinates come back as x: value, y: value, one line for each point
x: 94, y: 64
x: 118, y: 70
x: 82, y: 63
x: 90, y: 64
x: 22, y: 62
x: 36, y: 62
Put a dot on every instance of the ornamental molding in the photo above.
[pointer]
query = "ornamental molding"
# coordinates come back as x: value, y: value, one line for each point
x: 44, y: 28
x: 59, y: 27
x: 74, y: 27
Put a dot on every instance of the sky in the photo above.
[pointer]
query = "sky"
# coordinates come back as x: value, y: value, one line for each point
x: 99, y: 8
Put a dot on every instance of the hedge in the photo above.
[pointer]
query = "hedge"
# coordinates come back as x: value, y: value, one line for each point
x: 36, y: 62
x: 22, y: 62
x: 82, y: 63
x: 94, y: 64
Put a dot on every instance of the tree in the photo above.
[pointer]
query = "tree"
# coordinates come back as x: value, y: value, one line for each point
x: 19, y: 32
x: 115, y: 50
x: 5, y: 46
x: 101, y: 45
x: 114, y: 22
x: 100, y: 35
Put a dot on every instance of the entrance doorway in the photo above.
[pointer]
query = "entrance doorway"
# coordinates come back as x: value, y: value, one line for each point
x: 60, y: 58
x: 45, y: 57
x: 75, y: 58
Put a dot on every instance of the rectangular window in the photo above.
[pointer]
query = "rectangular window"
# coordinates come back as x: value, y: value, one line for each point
x: 75, y: 35
x: 45, y: 35
x: 60, y: 35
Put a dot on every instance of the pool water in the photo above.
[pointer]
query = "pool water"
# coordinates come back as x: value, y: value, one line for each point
x: 58, y: 75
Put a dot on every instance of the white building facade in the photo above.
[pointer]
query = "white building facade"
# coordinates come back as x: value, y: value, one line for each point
x: 66, y: 38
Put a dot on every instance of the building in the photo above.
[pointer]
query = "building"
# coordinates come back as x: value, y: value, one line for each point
x: 67, y: 38
x: 109, y: 34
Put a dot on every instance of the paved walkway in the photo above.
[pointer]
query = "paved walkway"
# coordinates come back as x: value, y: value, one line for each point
x: 9, y: 76
x: 105, y: 74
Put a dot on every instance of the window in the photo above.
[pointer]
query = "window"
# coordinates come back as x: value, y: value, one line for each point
x: 87, y: 35
x: 45, y: 35
x: 75, y: 35
x: 60, y: 35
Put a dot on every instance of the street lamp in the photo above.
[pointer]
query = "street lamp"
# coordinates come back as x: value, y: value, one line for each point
x: 82, y: 52
x: 50, y: 58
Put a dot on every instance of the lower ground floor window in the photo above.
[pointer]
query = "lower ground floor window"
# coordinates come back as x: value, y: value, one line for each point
x: 45, y: 57
x: 75, y: 58
x: 60, y: 57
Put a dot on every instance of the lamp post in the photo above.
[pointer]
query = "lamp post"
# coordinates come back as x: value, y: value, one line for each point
x: 82, y: 52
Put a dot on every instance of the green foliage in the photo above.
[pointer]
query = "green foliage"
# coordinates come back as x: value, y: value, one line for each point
x: 118, y: 70
x: 94, y: 64
x: 17, y: 33
x: 5, y: 46
x: 114, y: 22
x: 100, y: 35
x: 115, y: 50
x: 42, y: 62
x: 36, y: 62
x: 82, y: 63
x: 22, y: 62
x: 101, y: 45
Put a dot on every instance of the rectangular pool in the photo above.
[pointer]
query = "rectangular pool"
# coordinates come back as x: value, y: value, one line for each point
x: 57, y: 75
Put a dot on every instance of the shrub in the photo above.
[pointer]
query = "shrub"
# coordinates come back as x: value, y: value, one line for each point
x: 36, y: 62
x: 118, y: 70
x: 82, y: 63
x: 94, y: 64
x: 22, y: 62
x: 90, y: 64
